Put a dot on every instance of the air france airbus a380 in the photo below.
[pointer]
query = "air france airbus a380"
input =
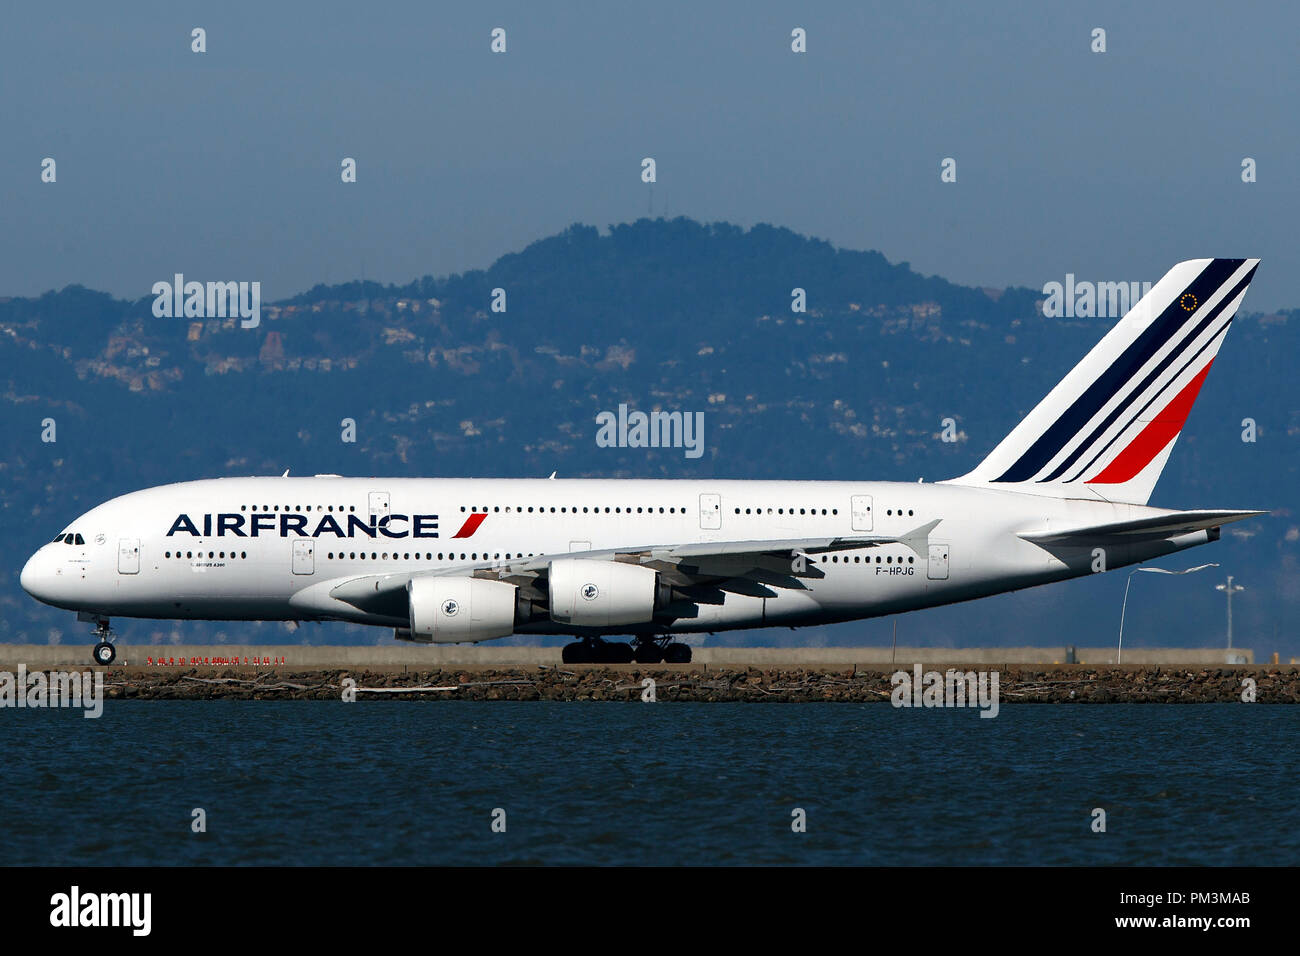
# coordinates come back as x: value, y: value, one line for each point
x: 457, y: 560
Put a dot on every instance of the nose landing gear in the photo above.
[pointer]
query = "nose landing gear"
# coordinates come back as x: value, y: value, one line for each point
x: 104, y: 653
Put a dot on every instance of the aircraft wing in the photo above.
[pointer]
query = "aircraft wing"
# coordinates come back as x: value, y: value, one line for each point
x: 1139, y: 529
x: 703, y: 571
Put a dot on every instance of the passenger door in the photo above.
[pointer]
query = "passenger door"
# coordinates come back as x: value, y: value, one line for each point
x: 937, y: 566
x: 304, y: 556
x: 710, y: 512
x: 860, y: 507
x: 128, y: 556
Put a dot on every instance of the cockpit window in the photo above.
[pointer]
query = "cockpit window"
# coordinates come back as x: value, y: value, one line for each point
x: 57, y: 539
x: 80, y: 540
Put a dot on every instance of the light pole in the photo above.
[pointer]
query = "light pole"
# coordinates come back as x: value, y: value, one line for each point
x: 1229, y: 588
x: 1119, y: 652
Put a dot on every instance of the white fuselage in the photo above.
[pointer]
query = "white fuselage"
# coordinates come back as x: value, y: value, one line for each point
x: 274, y: 548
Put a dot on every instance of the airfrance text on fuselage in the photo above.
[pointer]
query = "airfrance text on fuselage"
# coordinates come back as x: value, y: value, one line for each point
x: 295, y: 525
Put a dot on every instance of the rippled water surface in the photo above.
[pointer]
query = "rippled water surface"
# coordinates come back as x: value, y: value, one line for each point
x: 404, y: 782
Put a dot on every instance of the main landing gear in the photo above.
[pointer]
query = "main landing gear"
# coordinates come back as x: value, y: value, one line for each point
x: 646, y: 650
x: 104, y: 653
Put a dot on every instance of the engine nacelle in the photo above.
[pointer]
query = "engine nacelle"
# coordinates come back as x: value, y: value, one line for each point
x: 588, y: 593
x: 453, y: 610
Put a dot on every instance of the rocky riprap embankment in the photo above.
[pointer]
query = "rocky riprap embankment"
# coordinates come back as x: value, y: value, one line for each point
x: 1078, y: 684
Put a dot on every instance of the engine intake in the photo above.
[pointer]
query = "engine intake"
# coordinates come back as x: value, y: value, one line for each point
x: 455, y: 610
x: 590, y: 593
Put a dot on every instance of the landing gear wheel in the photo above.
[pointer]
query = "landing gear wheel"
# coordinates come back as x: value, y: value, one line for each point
x: 104, y: 653
x: 596, y: 651
x: 648, y: 653
x: 676, y: 653
x: 616, y: 652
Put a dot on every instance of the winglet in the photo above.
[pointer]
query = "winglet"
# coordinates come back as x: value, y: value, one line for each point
x: 918, y: 539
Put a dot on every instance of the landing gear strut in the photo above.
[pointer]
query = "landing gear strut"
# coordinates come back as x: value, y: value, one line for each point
x: 104, y: 653
x: 647, y: 649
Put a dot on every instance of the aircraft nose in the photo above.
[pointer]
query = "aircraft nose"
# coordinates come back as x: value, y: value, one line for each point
x: 35, y: 577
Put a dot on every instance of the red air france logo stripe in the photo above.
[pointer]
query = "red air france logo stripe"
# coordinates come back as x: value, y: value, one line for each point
x: 470, y: 526
x: 1152, y: 440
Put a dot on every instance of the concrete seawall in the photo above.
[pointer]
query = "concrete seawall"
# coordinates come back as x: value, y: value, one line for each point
x: 301, y: 656
x: 702, y: 683
x: 779, y: 675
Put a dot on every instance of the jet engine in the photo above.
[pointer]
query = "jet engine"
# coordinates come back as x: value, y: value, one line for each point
x: 592, y: 593
x: 454, y: 610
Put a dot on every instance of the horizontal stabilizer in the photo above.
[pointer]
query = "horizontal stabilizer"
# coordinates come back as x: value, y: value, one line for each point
x: 1166, y: 525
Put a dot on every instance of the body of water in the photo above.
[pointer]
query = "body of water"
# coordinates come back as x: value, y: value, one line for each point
x: 404, y: 782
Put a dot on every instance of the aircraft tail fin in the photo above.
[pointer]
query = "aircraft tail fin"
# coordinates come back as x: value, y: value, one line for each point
x: 1107, y: 429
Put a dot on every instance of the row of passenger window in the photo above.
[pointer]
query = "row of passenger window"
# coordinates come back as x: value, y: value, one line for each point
x: 812, y: 511
x: 211, y: 554
x: 542, y: 509
x: 565, y: 509
x: 298, y: 508
x: 485, y: 509
x: 361, y: 555
x: 857, y: 559
x: 428, y: 556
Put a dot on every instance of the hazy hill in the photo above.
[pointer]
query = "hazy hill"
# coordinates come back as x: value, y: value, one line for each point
x: 671, y: 314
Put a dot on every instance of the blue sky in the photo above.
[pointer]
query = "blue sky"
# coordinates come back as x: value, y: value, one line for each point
x: 225, y: 165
